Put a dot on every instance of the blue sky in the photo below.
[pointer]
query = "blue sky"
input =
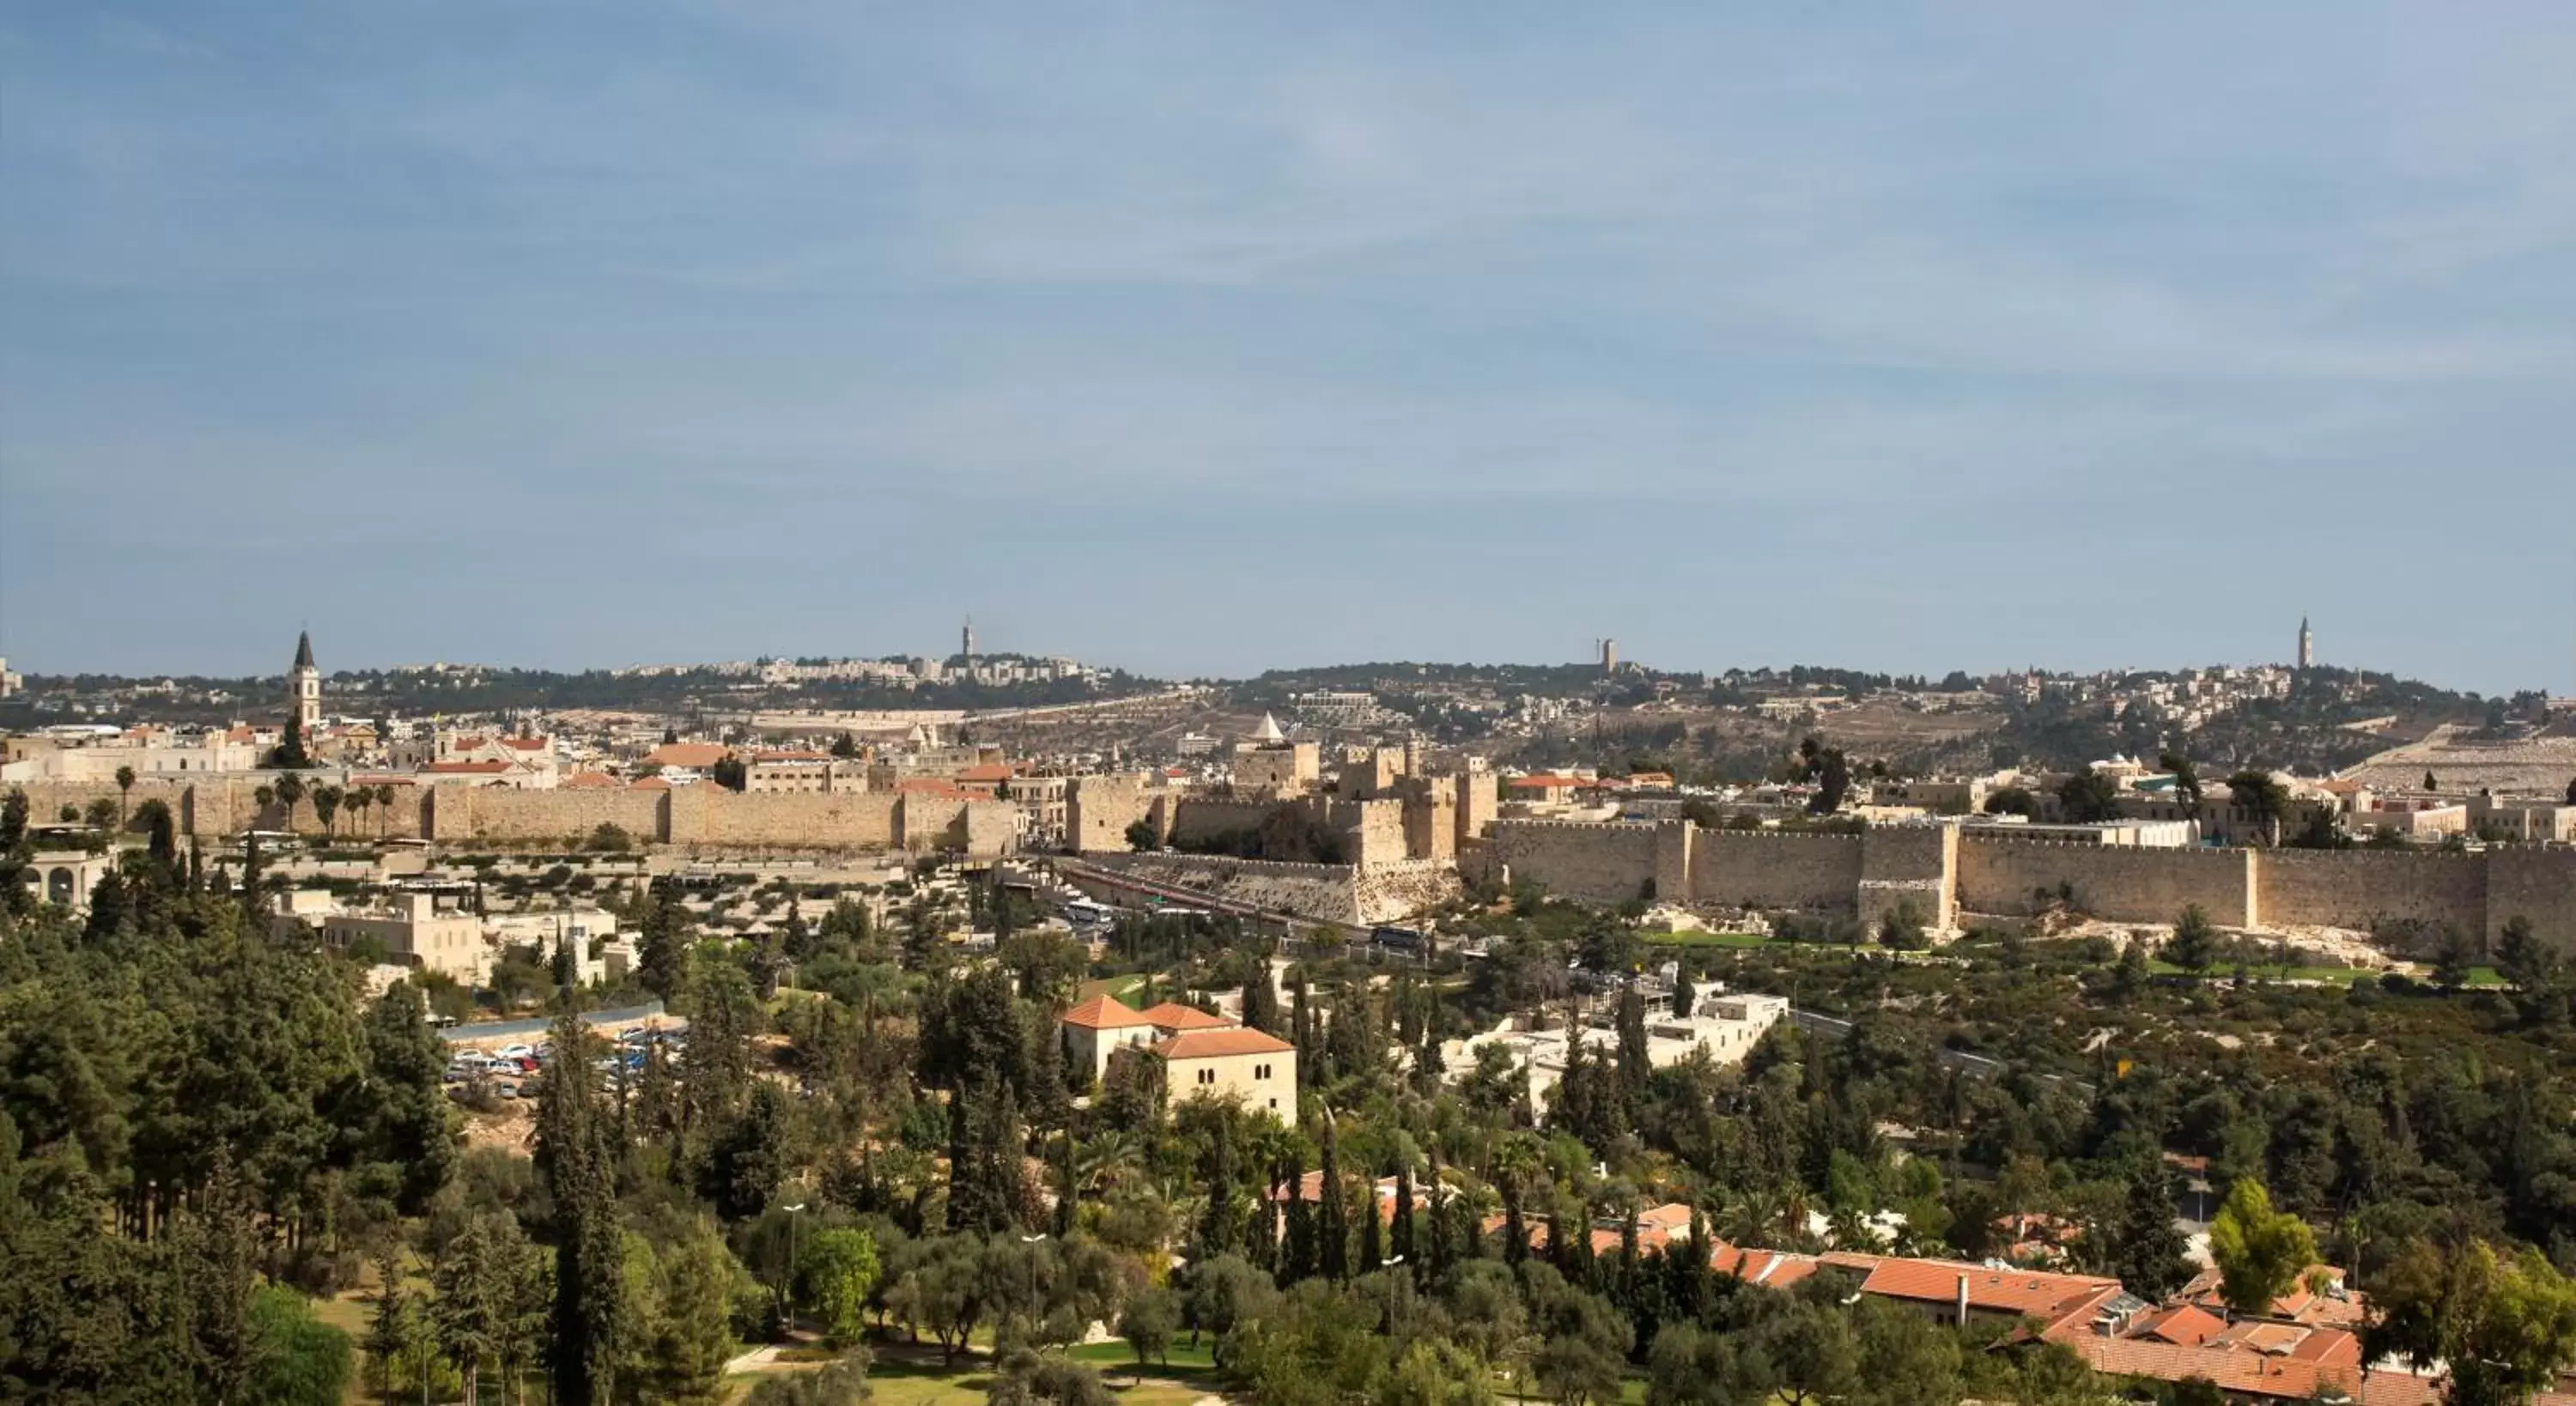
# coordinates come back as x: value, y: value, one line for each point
x: 1204, y: 338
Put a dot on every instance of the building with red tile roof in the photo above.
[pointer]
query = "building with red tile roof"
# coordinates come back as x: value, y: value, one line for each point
x: 1204, y: 1056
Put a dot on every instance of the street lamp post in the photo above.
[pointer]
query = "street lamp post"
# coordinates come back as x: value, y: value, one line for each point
x: 791, y: 1258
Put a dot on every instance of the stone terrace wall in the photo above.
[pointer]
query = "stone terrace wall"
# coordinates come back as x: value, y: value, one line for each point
x: 2537, y: 884
x: 1771, y: 869
x: 1325, y: 892
x: 2358, y: 888
x: 2118, y: 882
x: 1391, y: 892
x: 1598, y: 863
x: 463, y: 814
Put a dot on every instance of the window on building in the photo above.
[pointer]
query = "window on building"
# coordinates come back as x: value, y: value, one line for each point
x: 1207, y: 1076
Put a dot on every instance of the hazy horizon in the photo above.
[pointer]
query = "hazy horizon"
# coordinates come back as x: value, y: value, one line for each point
x: 1203, y: 341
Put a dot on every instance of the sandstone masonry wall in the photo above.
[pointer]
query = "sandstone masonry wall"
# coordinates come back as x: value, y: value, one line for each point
x: 1098, y: 810
x: 462, y: 814
x: 2118, y: 882
x: 1604, y: 863
x: 1771, y: 869
x: 2535, y: 884
x: 2358, y: 888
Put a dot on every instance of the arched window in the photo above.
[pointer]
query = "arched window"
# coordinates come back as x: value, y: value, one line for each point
x: 58, y: 886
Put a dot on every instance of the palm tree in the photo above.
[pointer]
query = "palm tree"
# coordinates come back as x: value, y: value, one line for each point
x: 124, y: 784
x: 384, y: 799
x: 290, y: 789
x: 264, y: 797
x: 326, y: 808
x: 361, y: 800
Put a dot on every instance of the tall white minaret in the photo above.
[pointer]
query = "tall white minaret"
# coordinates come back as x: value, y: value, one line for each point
x: 304, y: 686
x: 2307, y: 645
x: 966, y: 644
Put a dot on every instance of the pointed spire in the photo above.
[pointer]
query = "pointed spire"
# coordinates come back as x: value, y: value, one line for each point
x: 304, y: 649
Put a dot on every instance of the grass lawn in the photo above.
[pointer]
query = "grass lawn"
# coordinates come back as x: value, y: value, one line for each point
x: 1121, y: 987
x: 1183, y: 1360
x: 1705, y: 939
x: 928, y: 1384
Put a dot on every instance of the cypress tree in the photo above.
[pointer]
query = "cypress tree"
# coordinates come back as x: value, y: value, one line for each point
x: 1400, y: 1239
x: 591, y: 1315
x: 1372, y: 1240
x: 1217, y: 1233
x: 1441, y: 1242
x: 1332, y: 1223
x: 1297, y: 1261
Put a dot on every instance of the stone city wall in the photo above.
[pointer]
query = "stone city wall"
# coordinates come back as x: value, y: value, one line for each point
x: 2538, y: 885
x: 214, y: 807
x: 1196, y: 820
x: 2118, y: 882
x: 2361, y: 888
x: 1598, y: 863
x: 1775, y: 869
x: 468, y: 814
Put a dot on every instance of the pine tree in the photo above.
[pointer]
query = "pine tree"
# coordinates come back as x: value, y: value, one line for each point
x: 396, y: 1324
x: 2148, y: 1253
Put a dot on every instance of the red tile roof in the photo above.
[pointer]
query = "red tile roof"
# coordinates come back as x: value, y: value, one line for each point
x: 696, y: 755
x: 1104, y: 1011
x: 525, y: 744
x: 1546, y: 782
x: 987, y: 771
x: 1216, y: 1044
x: 2249, y: 1373
x: 589, y: 780
x: 649, y: 783
x: 2185, y: 1325
x: 467, y: 768
x: 1171, y: 1015
x: 1990, y: 1290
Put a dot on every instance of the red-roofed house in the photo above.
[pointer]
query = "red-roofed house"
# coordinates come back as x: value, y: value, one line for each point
x: 1204, y: 1056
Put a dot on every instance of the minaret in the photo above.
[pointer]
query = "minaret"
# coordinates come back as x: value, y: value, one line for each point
x: 2307, y: 645
x: 966, y: 644
x: 304, y: 686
